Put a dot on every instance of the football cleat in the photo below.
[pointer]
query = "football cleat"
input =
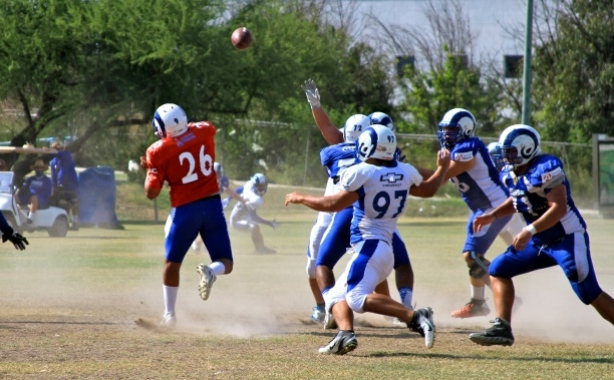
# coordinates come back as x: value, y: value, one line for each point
x: 207, y: 278
x: 341, y: 344
x: 500, y: 334
x: 168, y: 321
x: 422, y: 323
x: 318, y: 315
x: 474, y: 308
x: 329, y: 321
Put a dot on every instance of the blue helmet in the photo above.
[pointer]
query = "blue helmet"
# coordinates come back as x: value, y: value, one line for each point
x: 519, y: 144
x: 457, y: 124
x: 494, y: 150
x: 381, y: 119
x: 261, y: 184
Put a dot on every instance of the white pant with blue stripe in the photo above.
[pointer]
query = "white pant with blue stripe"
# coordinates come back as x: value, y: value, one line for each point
x: 371, y: 263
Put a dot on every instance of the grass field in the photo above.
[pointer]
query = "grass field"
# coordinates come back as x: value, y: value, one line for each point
x: 69, y: 307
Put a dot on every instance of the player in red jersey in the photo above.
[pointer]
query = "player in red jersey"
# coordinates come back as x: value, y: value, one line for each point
x: 184, y: 158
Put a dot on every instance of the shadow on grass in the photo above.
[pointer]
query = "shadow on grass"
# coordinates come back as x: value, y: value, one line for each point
x: 604, y: 360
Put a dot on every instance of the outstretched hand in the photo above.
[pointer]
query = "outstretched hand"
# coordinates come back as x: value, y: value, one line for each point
x: 294, y: 197
x: 18, y: 241
x: 311, y: 91
x: 274, y: 224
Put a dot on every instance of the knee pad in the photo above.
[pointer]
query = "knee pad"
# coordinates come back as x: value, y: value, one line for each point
x: 311, y: 267
x: 479, y: 267
x: 355, y: 301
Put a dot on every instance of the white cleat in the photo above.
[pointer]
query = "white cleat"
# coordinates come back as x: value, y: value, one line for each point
x: 168, y: 321
x: 422, y: 323
x: 207, y: 278
x: 341, y: 344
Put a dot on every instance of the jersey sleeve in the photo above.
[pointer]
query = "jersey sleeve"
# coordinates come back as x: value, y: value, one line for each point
x: 464, y: 151
x: 204, y: 127
x: 155, y: 173
x: 353, y: 178
x: 414, y: 177
x: 548, y: 175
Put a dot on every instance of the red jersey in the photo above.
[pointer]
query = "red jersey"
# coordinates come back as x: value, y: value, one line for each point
x: 186, y: 163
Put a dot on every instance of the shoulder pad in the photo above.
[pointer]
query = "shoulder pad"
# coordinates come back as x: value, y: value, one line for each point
x: 464, y: 150
x: 546, y: 171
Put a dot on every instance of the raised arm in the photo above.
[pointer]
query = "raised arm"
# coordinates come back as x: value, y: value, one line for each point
x: 329, y: 131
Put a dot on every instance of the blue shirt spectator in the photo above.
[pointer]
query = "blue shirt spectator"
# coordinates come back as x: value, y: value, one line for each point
x: 63, y: 173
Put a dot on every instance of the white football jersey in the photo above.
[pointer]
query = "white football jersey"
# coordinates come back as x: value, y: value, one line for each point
x: 383, y: 192
x: 253, y: 201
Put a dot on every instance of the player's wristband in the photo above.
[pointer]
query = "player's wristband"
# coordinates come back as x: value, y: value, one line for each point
x: 530, y: 229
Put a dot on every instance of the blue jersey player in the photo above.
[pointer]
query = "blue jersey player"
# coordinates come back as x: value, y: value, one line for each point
x: 555, y: 233
x: 476, y: 178
x: 334, y: 159
x: 377, y: 190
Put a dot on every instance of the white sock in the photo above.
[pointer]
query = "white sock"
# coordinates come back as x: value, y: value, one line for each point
x: 477, y: 293
x: 31, y: 215
x: 170, y: 298
x: 406, y: 295
x: 217, y: 268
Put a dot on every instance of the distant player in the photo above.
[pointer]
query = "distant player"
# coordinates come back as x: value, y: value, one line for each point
x: 244, y: 216
x: 184, y: 158
x: 476, y: 178
x: 378, y: 189
x: 555, y: 233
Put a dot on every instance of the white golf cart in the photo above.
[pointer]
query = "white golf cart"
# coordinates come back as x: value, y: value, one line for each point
x: 53, y: 219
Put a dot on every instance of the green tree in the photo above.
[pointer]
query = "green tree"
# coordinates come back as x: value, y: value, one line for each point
x: 573, y: 71
x: 428, y: 95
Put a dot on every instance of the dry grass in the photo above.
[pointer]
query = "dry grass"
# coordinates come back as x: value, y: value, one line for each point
x: 69, y: 307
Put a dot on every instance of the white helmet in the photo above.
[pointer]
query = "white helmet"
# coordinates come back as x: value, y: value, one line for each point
x: 169, y: 120
x: 381, y: 119
x: 354, y: 126
x: 377, y: 141
x: 260, y: 182
x: 463, y: 123
x: 519, y: 144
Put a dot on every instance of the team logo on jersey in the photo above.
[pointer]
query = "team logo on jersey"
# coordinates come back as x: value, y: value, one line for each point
x: 546, y: 177
x: 348, y: 148
x: 391, y: 178
x: 462, y: 157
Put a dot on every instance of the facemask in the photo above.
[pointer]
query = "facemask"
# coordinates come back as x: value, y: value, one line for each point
x: 39, y: 172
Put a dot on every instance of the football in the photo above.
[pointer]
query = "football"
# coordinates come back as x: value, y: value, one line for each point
x: 241, y: 38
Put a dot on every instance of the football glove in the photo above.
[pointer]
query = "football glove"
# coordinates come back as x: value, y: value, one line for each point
x: 274, y: 224
x: 18, y: 241
x: 313, y: 96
